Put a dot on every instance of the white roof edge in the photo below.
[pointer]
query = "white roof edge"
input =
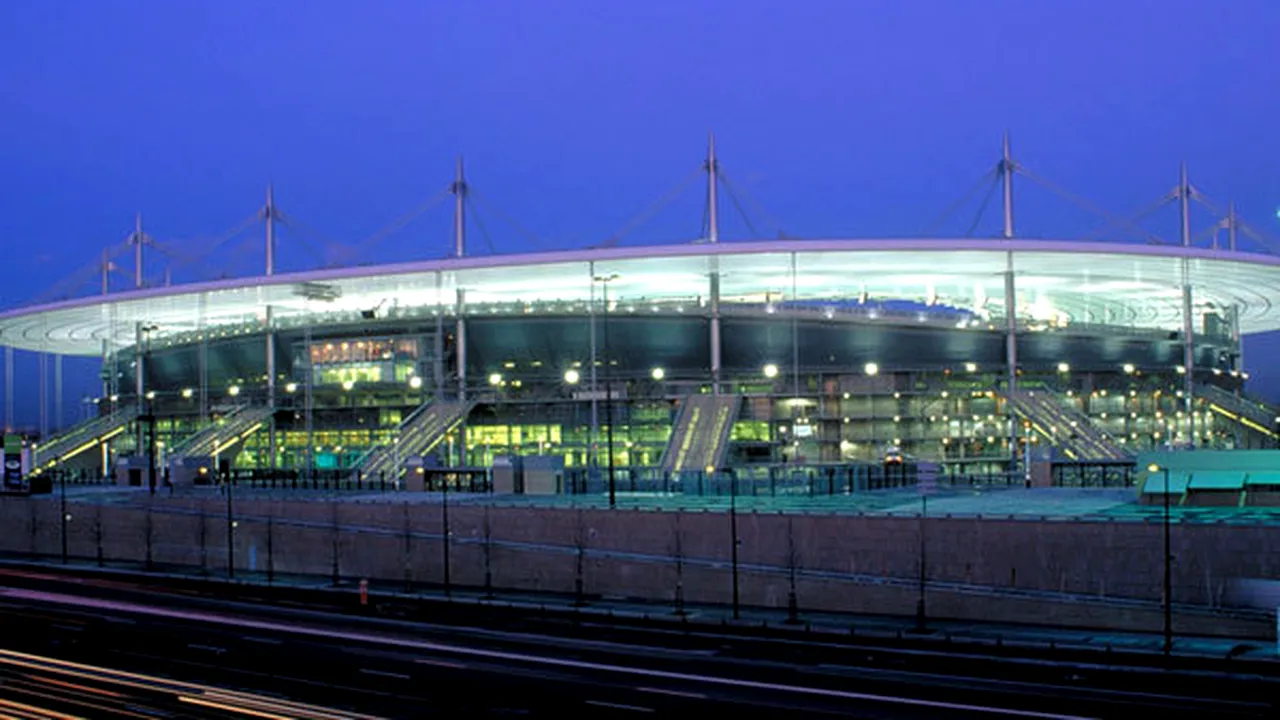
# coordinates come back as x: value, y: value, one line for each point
x: 914, y: 245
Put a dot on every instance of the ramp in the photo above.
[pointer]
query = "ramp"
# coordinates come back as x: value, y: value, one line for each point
x: 1065, y: 427
x: 418, y: 434
x: 223, y: 434
x: 81, y: 438
x: 700, y: 437
x: 1254, y: 416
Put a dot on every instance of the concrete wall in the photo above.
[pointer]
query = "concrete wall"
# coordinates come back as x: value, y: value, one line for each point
x: 979, y: 569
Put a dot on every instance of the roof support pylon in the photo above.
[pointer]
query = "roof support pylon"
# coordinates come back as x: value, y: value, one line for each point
x: 1006, y: 176
x: 137, y: 250
x: 713, y: 199
x: 459, y: 190
x: 1232, y: 224
x: 269, y: 217
x: 1184, y: 202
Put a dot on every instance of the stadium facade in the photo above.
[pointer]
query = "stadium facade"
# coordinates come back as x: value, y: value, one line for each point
x: 967, y: 352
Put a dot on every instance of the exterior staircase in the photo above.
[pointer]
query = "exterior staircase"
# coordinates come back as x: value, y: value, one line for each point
x: 1065, y: 427
x: 701, y: 434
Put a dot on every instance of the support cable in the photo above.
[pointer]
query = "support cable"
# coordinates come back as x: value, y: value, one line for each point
x: 1132, y: 222
x: 1267, y: 243
x: 233, y: 256
x: 71, y: 283
x: 395, y: 226
x: 484, y: 231
x: 1089, y: 206
x: 302, y: 240
x: 964, y: 199
x: 704, y: 227
x: 982, y: 209
x: 736, y: 192
x: 733, y: 198
x: 306, y: 231
x: 743, y: 199
x: 205, y: 248
x: 491, y: 208
x: 652, y: 210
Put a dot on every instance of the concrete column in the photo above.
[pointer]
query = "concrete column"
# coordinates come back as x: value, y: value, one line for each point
x: 1011, y: 352
x: 437, y: 361
x: 139, y: 384
x: 308, y: 402
x: 43, y: 403
x: 716, y: 360
x: 595, y: 388
x: 460, y: 351
x: 1188, y: 354
x: 271, y: 386
x: 9, y: 422
x: 203, y: 361
x: 1237, y: 340
x: 462, y: 373
x: 57, y: 393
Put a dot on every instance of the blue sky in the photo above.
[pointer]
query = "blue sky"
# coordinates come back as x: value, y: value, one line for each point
x: 836, y: 117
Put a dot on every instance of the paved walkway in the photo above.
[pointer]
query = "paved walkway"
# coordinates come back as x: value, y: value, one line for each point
x: 1092, y: 504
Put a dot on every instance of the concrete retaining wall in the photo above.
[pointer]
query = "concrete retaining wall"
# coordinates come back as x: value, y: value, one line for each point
x: 975, y: 568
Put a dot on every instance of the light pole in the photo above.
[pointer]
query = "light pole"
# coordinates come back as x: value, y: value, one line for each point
x: 733, y: 533
x: 151, y: 409
x: 62, y: 485
x: 1168, y: 564
x: 604, y: 280
x: 923, y: 581
x: 444, y: 527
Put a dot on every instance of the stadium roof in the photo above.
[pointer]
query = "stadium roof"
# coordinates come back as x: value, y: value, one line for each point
x: 1082, y: 282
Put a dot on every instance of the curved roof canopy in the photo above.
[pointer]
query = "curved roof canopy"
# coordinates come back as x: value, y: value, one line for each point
x: 1076, y: 282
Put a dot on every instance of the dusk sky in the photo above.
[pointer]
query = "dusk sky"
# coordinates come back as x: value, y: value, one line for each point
x: 836, y: 118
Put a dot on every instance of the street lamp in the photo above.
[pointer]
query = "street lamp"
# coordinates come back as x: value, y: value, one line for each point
x: 733, y: 533
x: 150, y: 396
x: 604, y: 280
x: 1168, y: 562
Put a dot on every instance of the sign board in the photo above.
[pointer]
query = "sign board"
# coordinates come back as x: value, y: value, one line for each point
x: 13, y: 477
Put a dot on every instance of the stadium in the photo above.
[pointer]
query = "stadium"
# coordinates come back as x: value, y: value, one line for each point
x: 975, y: 356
